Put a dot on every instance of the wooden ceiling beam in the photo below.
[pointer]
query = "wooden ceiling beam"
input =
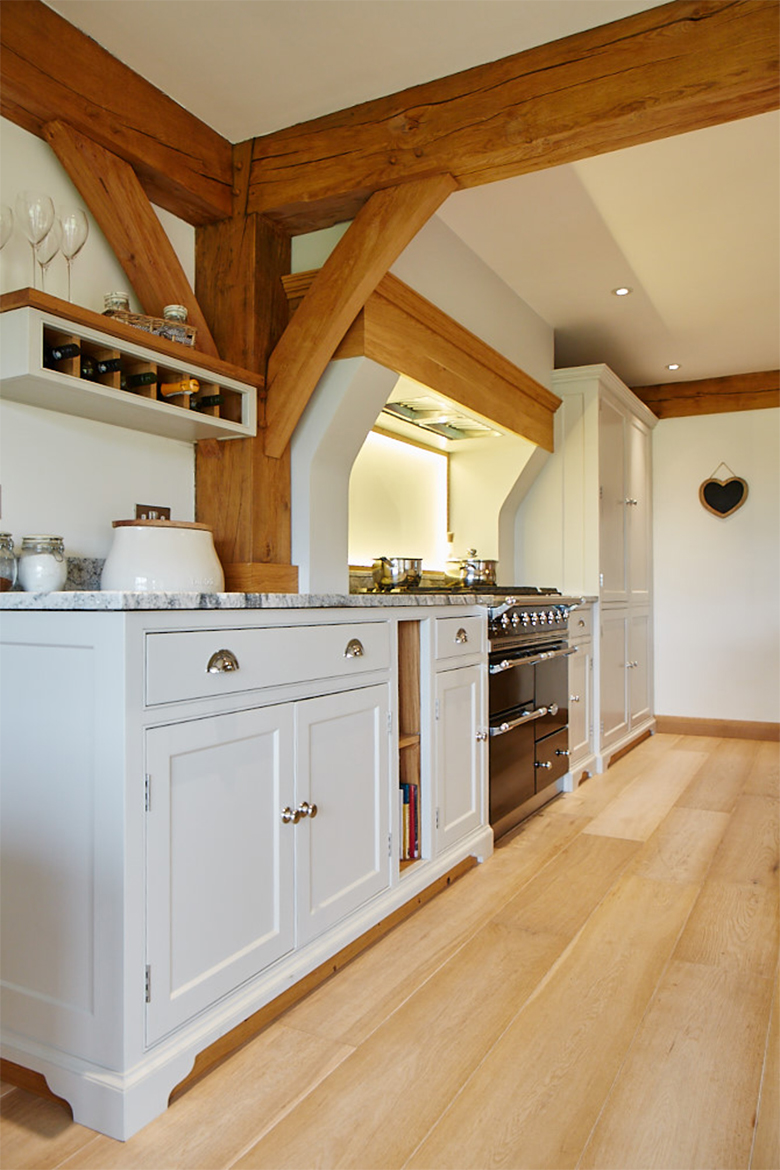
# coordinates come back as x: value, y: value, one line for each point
x: 52, y: 72
x: 755, y: 391
x: 679, y: 67
x: 375, y: 239
x: 127, y: 219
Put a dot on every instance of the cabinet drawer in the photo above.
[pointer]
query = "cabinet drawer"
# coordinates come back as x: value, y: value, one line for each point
x: 581, y: 623
x: 194, y: 664
x: 458, y: 637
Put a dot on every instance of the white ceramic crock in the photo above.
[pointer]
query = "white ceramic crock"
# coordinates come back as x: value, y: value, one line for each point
x: 162, y: 556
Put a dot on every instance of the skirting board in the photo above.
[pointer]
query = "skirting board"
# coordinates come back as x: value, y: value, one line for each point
x: 717, y: 728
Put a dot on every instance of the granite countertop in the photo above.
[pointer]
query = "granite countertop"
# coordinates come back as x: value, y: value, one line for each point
x: 96, y: 599
x: 83, y: 599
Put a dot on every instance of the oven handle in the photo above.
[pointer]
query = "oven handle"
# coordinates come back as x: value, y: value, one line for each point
x: 528, y: 717
x: 544, y: 656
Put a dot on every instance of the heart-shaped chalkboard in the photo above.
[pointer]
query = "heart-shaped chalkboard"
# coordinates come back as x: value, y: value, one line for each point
x: 723, y: 496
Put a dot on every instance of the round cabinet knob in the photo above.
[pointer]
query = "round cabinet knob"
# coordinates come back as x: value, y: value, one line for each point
x: 222, y: 662
x: 354, y: 649
x: 574, y: 698
x: 481, y: 736
x: 307, y: 810
x: 290, y: 815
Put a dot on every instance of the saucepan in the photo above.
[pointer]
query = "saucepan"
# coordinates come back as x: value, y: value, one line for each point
x: 471, y: 570
x: 396, y: 572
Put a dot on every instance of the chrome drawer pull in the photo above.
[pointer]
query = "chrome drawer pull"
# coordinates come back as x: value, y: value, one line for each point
x: 222, y: 662
x: 461, y: 637
x: 307, y: 810
x: 574, y: 698
x: 546, y: 764
x: 291, y: 816
x: 354, y: 649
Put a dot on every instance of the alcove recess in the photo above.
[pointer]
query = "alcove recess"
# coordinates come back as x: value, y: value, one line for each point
x: 409, y: 734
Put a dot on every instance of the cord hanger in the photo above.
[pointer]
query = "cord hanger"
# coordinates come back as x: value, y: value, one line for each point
x: 728, y: 469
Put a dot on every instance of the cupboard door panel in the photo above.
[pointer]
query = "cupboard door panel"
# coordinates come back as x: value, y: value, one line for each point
x: 342, y: 767
x: 614, y: 704
x: 612, y: 505
x: 580, y: 703
x: 219, y: 860
x: 460, y: 756
x: 639, y: 489
x: 639, y: 674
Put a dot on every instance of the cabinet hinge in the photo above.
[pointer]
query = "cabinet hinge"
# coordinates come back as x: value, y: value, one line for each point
x: 437, y: 818
x: 147, y: 792
x: 601, y: 580
x: 436, y: 709
x: 601, y: 726
x: 389, y: 722
x: 389, y: 844
x: 601, y: 491
x: 148, y: 985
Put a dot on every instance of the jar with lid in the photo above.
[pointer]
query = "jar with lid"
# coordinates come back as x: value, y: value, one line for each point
x: 116, y: 302
x: 175, y: 313
x: 7, y: 562
x: 42, y: 564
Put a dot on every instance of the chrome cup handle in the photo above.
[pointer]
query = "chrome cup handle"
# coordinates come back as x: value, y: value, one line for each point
x: 222, y: 662
x: 461, y: 637
x: 354, y: 649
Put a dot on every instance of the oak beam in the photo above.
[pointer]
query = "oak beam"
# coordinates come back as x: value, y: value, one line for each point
x: 377, y: 236
x: 51, y: 71
x: 668, y: 70
x: 754, y: 391
x: 127, y: 219
x: 242, y: 493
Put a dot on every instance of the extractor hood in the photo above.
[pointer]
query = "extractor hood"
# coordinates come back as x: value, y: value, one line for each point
x: 415, y: 406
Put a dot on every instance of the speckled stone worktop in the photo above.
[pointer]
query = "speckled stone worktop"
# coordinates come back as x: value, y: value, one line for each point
x: 108, y: 600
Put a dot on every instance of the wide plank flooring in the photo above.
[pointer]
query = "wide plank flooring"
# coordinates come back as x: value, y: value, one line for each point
x: 603, y: 992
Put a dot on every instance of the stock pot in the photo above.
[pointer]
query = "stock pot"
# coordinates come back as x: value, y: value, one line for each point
x: 391, y: 572
x: 471, y: 570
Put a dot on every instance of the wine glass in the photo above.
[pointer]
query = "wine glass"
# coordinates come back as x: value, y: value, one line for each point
x: 35, y: 215
x: 6, y: 224
x: 75, y: 229
x: 48, y: 249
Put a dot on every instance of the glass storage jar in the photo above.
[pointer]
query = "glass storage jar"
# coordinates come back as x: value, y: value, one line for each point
x: 42, y: 564
x: 7, y: 562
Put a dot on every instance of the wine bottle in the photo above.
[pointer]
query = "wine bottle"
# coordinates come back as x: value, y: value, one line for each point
x: 208, y: 400
x: 131, y: 381
x: 91, y: 368
x: 59, y: 353
x: 184, y: 386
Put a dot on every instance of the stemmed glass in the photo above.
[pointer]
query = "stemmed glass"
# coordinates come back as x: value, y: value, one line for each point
x: 75, y: 229
x: 35, y: 214
x: 6, y: 224
x: 48, y: 249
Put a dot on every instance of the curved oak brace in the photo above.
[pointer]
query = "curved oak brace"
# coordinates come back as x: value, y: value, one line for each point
x: 374, y: 240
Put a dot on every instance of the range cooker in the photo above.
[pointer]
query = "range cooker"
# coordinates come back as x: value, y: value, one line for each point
x: 528, y: 705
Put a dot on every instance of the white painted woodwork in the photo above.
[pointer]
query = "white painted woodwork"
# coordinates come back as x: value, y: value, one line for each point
x: 460, y: 756
x: 613, y: 664
x: 459, y: 637
x: 581, y: 705
x: 25, y: 379
x: 205, y: 897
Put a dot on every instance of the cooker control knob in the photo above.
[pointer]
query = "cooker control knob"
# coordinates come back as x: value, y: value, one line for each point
x: 526, y: 618
x: 505, y: 621
x: 551, y: 616
x: 534, y: 619
x: 543, y: 618
x: 515, y: 620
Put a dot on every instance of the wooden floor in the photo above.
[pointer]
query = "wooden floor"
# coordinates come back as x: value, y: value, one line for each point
x: 603, y: 992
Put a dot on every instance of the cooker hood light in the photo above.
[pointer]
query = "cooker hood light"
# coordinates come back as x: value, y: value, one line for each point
x: 448, y: 424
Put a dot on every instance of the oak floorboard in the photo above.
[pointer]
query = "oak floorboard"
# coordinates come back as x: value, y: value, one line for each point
x: 350, y: 1008
x: 734, y: 926
x: 535, y: 1098
x: 750, y: 849
x: 393, y: 1075
x: 638, y: 811
x: 764, y: 777
x: 37, y: 1133
x: 766, y: 1144
x: 720, y: 780
x: 227, y: 1111
x: 682, y: 847
x: 686, y: 1096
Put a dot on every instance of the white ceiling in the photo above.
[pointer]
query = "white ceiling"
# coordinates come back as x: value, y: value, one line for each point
x: 691, y: 223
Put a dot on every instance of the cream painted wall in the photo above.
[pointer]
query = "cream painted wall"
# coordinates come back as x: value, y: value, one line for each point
x: 398, y: 503
x: 62, y: 474
x: 717, y: 581
x: 483, y: 473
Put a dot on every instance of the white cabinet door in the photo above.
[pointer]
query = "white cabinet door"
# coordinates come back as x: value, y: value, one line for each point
x: 612, y: 502
x: 580, y: 703
x: 613, y: 688
x: 460, y: 755
x: 219, y: 876
x: 638, y: 511
x: 639, y: 674
x: 342, y: 767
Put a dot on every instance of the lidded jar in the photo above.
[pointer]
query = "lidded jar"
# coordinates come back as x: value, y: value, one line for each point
x: 175, y: 313
x: 7, y: 562
x: 42, y: 564
x: 114, y: 302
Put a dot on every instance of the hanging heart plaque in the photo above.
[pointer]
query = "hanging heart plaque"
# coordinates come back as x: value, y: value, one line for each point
x: 723, y: 496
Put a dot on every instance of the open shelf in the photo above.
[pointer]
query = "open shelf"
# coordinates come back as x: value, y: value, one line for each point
x: 409, y: 773
x: 31, y: 323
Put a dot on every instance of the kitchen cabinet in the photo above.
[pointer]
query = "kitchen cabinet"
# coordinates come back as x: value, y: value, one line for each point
x: 593, y: 503
x: 31, y: 323
x: 198, y: 813
x: 581, y: 753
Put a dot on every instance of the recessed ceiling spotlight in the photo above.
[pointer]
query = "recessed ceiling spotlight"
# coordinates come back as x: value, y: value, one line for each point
x: 673, y: 366
x: 623, y: 291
